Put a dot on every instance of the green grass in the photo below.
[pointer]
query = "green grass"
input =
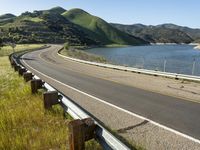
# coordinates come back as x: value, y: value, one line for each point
x: 79, y: 54
x: 24, y: 123
x: 33, y: 19
x: 7, y: 50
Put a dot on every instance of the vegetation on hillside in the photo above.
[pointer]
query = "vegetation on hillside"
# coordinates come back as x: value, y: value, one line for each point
x: 7, y: 16
x: 50, y: 26
x: 193, y: 33
x: 156, y: 34
x: 43, y: 27
x: 100, y: 29
x: 57, y: 10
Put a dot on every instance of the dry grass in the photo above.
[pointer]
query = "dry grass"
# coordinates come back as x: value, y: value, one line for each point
x: 7, y: 50
x: 79, y: 54
x: 24, y: 124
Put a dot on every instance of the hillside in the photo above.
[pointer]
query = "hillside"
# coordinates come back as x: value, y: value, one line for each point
x: 194, y: 33
x: 44, y: 27
x: 156, y: 34
x: 100, y: 29
x: 7, y: 16
x: 57, y: 10
x: 57, y: 25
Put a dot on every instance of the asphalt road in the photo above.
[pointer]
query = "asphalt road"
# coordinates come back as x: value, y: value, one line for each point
x: 178, y: 114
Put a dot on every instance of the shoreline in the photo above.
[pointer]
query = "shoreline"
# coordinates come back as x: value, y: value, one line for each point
x: 197, y: 47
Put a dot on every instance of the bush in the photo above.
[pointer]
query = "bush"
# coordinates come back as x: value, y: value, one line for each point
x: 67, y: 46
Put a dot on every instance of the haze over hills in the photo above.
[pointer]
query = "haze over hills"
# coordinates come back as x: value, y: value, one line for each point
x: 165, y: 33
x: 50, y: 26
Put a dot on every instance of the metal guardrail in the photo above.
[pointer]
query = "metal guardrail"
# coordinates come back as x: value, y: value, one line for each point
x: 137, y: 70
x: 107, y: 140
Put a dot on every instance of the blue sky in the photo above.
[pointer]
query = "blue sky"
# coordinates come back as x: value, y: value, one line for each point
x: 181, y: 12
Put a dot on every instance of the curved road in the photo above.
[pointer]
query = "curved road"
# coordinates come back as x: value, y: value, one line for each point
x: 178, y: 114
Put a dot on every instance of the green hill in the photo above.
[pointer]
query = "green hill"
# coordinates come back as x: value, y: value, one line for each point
x: 44, y: 27
x: 7, y: 16
x: 57, y: 10
x: 101, y: 30
x: 156, y: 34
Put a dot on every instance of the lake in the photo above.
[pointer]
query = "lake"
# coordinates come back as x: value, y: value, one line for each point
x: 182, y: 59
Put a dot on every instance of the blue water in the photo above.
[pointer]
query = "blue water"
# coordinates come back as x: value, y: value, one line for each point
x: 170, y: 58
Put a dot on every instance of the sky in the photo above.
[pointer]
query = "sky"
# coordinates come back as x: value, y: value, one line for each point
x: 149, y: 12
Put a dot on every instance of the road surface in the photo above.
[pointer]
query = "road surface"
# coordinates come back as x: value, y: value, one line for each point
x: 175, y: 113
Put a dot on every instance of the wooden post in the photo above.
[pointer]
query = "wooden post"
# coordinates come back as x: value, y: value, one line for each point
x: 16, y: 67
x: 12, y: 64
x: 90, y: 127
x: 76, y: 135
x: 27, y: 76
x: 79, y: 132
x: 21, y: 71
x: 50, y: 99
x: 35, y: 85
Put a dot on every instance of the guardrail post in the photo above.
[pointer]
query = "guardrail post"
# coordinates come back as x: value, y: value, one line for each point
x: 27, y: 76
x: 21, y: 71
x: 76, y: 135
x: 12, y: 62
x: 35, y: 85
x: 50, y: 99
x: 89, y: 128
x: 79, y: 132
x: 16, y: 67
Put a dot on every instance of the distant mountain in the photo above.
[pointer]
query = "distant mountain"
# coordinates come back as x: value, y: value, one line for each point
x: 100, y: 30
x: 156, y: 34
x: 194, y: 33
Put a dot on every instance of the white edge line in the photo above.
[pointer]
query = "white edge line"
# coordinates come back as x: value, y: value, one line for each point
x: 121, y: 109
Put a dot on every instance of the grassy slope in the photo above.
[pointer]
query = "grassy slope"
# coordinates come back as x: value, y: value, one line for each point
x: 103, y: 31
x: 79, y: 54
x: 24, y: 123
x: 58, y: 10
x: 7, y: 50
x: 43, y: 27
